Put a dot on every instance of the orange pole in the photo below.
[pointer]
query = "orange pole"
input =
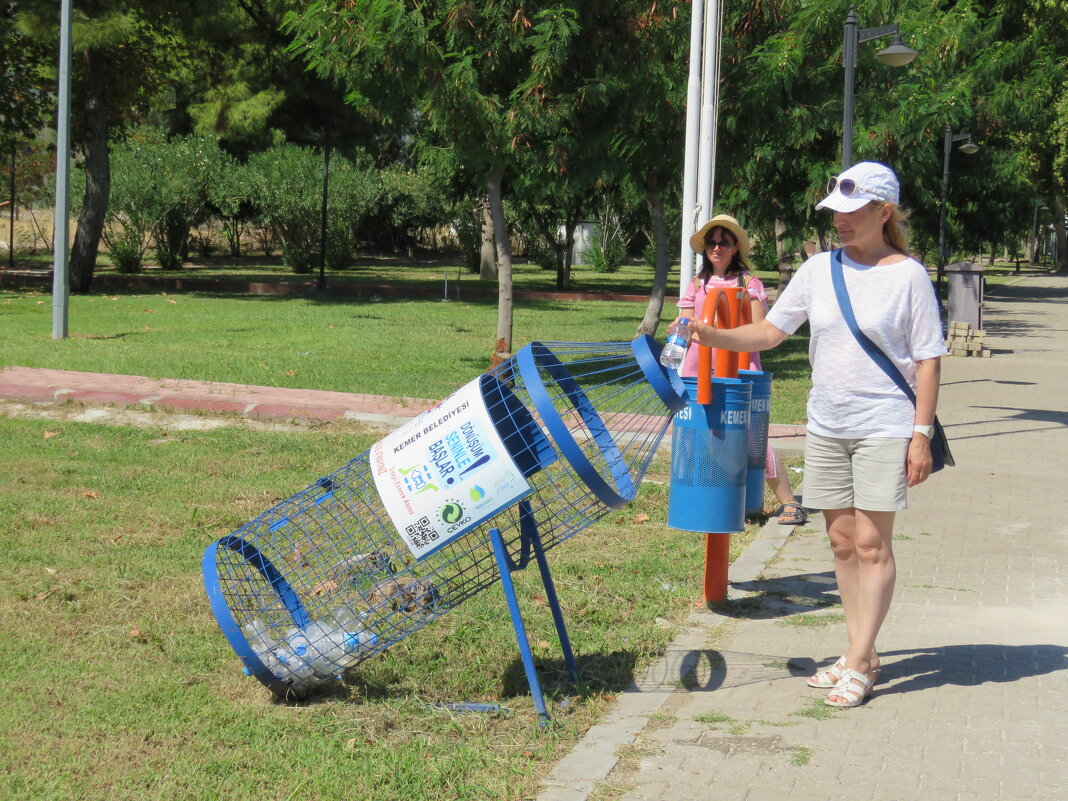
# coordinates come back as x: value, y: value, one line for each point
x: 727, y: 363
x: 742, y: 311
x: 717, y: 559
x: 716, y: 311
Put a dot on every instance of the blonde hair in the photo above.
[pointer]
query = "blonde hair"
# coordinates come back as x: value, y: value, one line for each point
x: 896, y: 229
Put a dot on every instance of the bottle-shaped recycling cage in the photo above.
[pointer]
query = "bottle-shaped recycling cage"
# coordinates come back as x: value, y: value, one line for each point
x: 548, y: 441
x: 757, y: 440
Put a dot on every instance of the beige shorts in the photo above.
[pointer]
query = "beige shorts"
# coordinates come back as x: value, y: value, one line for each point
x: 866, y: 474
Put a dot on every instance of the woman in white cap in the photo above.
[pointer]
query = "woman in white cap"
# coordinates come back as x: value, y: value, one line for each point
x: 724, y: 248
x: 866, y: 443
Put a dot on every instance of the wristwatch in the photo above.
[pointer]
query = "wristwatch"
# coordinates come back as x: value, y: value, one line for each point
x: 927, y: 431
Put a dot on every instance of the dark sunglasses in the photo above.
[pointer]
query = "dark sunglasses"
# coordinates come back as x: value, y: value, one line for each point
x: 718, y: 243
x: 847, y: 187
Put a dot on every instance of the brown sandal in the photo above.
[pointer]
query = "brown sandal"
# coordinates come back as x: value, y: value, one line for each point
x: 791, y: 514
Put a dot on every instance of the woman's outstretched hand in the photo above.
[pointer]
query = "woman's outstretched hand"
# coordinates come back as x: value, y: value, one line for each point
x: 702, y: 333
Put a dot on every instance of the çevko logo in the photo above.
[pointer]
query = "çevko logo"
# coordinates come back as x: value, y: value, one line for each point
x: 452, y: 513
x: 454, y: 516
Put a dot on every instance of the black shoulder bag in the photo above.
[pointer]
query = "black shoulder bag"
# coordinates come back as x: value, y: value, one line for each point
x: 940, y: 453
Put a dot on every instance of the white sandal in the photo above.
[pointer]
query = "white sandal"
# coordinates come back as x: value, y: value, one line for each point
x: 847, y: 690
x: 826, y: 679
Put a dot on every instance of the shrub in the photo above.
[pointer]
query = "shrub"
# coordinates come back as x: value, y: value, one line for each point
x: 158, y: 186
x: 609, y: 248
x: 288, y: 190
x: 229, y: 193
x: 126, y: 244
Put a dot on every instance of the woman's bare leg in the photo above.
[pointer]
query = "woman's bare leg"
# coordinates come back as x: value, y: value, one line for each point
x: 866, y: 571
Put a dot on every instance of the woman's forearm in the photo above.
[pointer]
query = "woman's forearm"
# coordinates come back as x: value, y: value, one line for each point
x: 757, y: 336
x: 928, y: 374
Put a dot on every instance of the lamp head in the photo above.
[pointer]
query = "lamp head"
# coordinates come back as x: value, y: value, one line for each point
x: 969, y: 148
x: 897, y: 54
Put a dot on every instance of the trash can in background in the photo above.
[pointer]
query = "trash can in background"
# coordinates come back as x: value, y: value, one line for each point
x: 966, y: 293
x: 582, y: 241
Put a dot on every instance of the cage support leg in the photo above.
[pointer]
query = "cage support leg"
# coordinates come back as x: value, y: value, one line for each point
x: 717, y: 558
x: 504, y: 566
x: 554, y: 604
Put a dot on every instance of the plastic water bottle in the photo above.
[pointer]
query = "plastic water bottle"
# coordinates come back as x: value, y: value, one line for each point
x: 325, y: 647
x: 348, y: 619
x: 291, y: 665
x: 258, y: 635
x: 675, y: 349
x: 354, y: 637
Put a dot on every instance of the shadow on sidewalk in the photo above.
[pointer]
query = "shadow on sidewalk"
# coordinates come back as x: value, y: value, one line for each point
x: 783, y: 596
x: 917, y: 669
x: 1044, y: 420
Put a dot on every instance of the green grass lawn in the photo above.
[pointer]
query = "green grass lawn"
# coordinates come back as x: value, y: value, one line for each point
x: 392, y: 346
x: 118, y: 684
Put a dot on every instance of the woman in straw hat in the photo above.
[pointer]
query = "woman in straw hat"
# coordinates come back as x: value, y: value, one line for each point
x: 866, y: 442
x: 724, y: 248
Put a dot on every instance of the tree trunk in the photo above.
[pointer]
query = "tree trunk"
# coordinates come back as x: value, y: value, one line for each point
x: 655, y: 307
x: 1058, y: 226
x: 97, y: 176
x: 502, y: 348
x: 487, y: 260
x: 782, y: 255
x: 822, y: 237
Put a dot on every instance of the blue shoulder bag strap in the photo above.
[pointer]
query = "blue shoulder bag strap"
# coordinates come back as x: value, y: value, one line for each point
x: 873, y: 350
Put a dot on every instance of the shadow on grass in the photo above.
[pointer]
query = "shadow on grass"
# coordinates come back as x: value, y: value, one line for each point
x: 598, y: 673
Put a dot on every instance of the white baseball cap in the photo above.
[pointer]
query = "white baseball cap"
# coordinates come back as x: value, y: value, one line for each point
x: 861, y: 184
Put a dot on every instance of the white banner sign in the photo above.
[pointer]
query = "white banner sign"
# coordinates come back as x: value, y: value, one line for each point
x: 445, y: 472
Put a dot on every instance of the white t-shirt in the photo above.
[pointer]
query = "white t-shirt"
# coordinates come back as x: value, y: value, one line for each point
x: 895, y: 306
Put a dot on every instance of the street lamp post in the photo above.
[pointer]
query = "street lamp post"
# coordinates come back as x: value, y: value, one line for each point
x: 968, y: 148
x: 896, y: 55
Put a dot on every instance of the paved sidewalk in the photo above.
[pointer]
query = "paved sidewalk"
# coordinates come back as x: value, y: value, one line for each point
x: 973, y: 698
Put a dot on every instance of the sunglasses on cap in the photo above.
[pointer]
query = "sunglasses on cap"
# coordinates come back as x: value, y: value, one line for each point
x: 710, y: 244
x: 848, y: 187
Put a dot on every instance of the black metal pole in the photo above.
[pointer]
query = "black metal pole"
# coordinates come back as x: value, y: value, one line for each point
x: 1034, y: 236
x: 322, y: 228
x: 849, y: 55
x: 942, y: 212
x: 11, y: 239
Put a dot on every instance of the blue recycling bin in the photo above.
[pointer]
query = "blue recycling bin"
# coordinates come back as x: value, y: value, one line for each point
x: 757, y: 441
x: 709, y: 459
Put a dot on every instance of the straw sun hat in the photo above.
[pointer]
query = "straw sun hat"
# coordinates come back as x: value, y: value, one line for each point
x: 697, y: 241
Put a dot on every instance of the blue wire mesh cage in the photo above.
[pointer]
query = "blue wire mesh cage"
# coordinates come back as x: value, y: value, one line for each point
x: 548, y: 441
